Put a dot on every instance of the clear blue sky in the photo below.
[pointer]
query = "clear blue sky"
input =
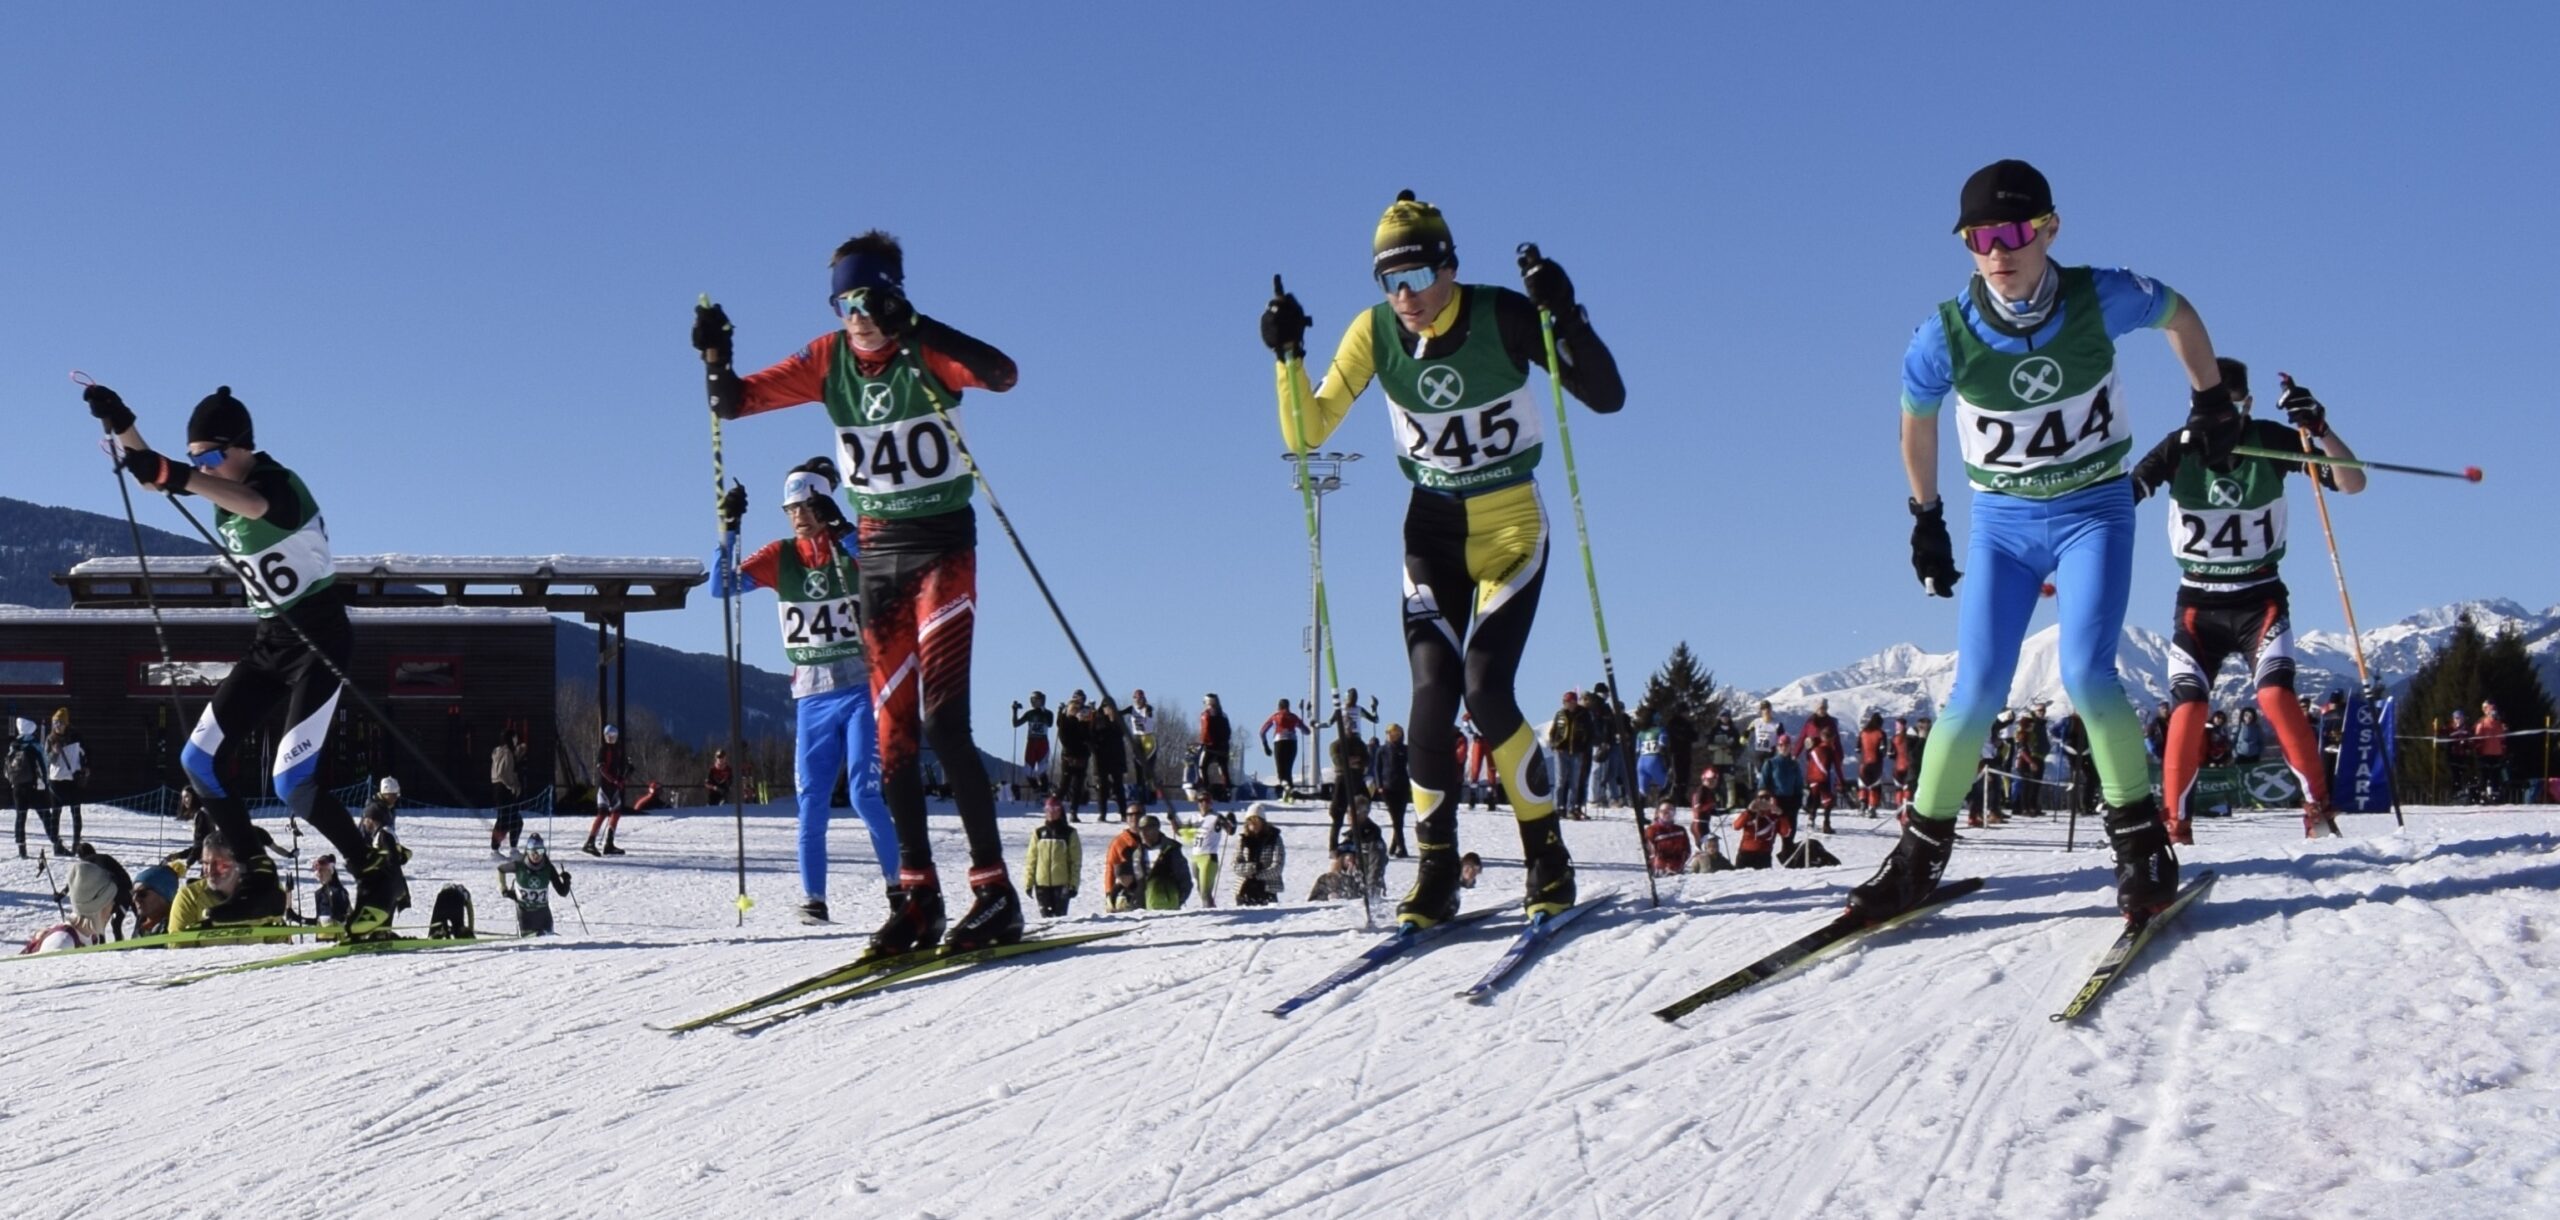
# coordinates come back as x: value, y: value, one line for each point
x: 447, y: 253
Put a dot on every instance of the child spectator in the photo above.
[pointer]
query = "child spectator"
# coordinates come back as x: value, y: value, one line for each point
x: 1053, y: 865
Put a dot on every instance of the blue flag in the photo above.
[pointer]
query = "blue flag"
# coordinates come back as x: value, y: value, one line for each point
x: 2365, y: 752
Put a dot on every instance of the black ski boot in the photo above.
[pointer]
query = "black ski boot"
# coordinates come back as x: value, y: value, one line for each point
x: 1908, y: 873
x: 994, y: 919
x: 2146, y: 870
x: 1550, y: 867
x: 589, y: 846
x: 814, y: 911
x: 915, y: 916
x: 1434, y: 896
x: 258, y: 898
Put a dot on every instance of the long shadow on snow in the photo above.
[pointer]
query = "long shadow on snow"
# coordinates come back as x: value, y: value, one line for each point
x: 2252, y: 910
x: 2362, y: 858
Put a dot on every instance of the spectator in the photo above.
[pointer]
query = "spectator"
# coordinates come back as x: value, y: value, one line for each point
x: 1612, y: 738
x: 329, y: 901
x: 1111, y: 756
x: 378, y: 832
x: 1395, y: 783
x: 716, y: 779
x: 2084, y: 770
x: 506, y: 789
x: 1761, y: 736
x: 24, y: 767
x: 2489, y: 744
x: 1725, y: 752
x: 1350, y: 781
x: 1782, y: 778
x: 66, y: 764
x: 1758, y: 826
x: 217, y: 876
x: 1680, y: 740
x: 1140, y: 717
x: 1217, y: 743
x: 123, y: 881
x: 1261, y: 863
x: 1667, y: 842
x: 1569, y: 741
x: 2458, y: 747
x: 153, y: 890
x: 1053, y: 864
x: 1363, y: 837
x: 1983, y: 802
x: 1075, y: 756
x: 1280, y: 733
x: 1167, y: 872
x: 1347, y: 712
x: 1034, y: 722
x: 1872, y: 749
x: 1710, y: 858
x: 2028, y: 744
x: 1476, y: 759
x: 1124, y: 868
x: 1342, y: 881
x: 1907, y: 740
x: 530, y: 879
x: 1819, y: 745
x: 1207, y: 838
x: 612, y: 773
x: 2248, y: 739
x: 91, y: 895
x: 2217, y: 740
x: 1470, y: 867
x: 1653, y: 763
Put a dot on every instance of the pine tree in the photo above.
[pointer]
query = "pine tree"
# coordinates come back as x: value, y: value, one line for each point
x: 1685, y: 686
x: 2474, y: 669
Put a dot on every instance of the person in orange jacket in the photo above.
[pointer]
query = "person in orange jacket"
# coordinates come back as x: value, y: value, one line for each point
x: 2489, y: 744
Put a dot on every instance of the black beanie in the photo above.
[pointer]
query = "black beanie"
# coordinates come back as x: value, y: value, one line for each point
x: 222, y: 419
x: 2235, y: 376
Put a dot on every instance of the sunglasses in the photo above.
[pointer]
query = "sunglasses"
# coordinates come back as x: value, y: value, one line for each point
x: 2007, y: 235
x: 1409, y: 279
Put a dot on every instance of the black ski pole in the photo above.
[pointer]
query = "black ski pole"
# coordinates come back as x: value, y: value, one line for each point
x: 141, y: 557
x: 44, y: 869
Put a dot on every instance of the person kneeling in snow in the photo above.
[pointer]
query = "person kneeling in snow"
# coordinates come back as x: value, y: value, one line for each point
x: 1260, y: 863
x: 1344, y: 882
x: 1667, y: 841
x: 530, y: 879
x: 91, y: 893
x: 1759, y: 826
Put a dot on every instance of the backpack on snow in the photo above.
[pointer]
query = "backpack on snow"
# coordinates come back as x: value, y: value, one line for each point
x: 451, y: 918
x: 1809, y: 854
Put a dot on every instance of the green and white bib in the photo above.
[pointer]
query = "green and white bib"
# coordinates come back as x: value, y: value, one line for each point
x: 821, y: 608
x: 279, y: 567
x: 2227, y: 525
x: 1464, y: 423
x: 1649, y: 741
x: 2044, y: 423
x: 899, y: 458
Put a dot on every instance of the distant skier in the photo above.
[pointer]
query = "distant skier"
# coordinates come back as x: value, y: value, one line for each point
x: 2227, y: 532
x: 1216, y: 746
x: 1393, y: 767
x: 2028, y: 352
x: 529, y: 878
x: 818, y: 595
x: 891, y: 380
x: 1653, y: 764
x: 1075, y: 756
x: 273, y: 537
x: 1034, y: 721
x: 1280, y: 733
x: 1453, y: 360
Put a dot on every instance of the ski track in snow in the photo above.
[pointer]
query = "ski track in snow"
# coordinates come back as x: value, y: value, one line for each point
x: 2357, y: 1027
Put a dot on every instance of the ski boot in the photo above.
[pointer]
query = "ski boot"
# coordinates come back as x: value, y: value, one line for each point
x: 2319, y: 821
x: 814, y: 911
x: 589, y: 846
x: 995, y: 918
x: 1434, y: 896
x: 381, y: 892
x: 2182, y: 831
x: 1907, y: 875
x: 1550, y: 868
x: 915, y: 916
x: 2146, y: 870
x: 257, y: 898
x: 609, y: 848
x: 1972, y: 820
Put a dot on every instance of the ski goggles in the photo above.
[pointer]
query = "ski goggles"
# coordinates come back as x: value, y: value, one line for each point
x: 210, y: 458
x: 857, y: 301
x: 2006, y: 235
x: 1408, y: 279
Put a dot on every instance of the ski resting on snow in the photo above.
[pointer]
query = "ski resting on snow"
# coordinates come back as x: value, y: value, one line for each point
x: 1839, y: 932
x: 1532, y: 940
x: 1394, y: 946
x: 2128, y: 945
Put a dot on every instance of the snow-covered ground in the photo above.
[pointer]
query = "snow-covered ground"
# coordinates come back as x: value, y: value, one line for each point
x: 2362, y: 1027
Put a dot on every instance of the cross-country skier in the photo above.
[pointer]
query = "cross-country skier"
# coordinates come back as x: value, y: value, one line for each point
x: 530, y: 878
x: 273, y: 537
x: 1280, y: 733
x: 891, y: 381
x: 1034, y: 721
x: 2227, y: 532
x: 1454, y: 361
x: 2028, y: 352
x: 612, y: 774
x: 818, y: 596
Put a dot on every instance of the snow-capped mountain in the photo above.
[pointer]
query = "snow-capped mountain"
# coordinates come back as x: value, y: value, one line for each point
x: 1905, y: 679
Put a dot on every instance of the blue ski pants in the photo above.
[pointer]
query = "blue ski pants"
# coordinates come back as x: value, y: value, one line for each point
x: 836, y: 736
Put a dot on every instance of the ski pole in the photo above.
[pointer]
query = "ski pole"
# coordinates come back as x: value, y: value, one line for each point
x: 44, y: 869
x: 960, y: 444
x: 1296, y: 375
x: 581, y: 912
x: 1582, y: 531
x: 2364, y: 677
x: 2468, y: 474
x: 729, y: 651
x: 150, y: 599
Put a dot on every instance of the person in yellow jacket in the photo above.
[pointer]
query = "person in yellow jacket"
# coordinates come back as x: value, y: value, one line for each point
x: 1053, y: 866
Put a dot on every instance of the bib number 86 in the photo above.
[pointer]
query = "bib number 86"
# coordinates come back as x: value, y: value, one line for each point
x: 271, y: 580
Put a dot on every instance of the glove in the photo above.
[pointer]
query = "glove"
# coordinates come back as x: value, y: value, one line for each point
x: 1933, y: 557
x: 564, y: 879
x: 1549, y: 288
x: 712, y: 333
x: 1017, y: 707
x: 1284, y: 324
x: 108, y: 408
x: 152, y: 470
x: 889, y: 309
x: 2304, y: 411
x: 2213, y: 425
x: 733, y: 507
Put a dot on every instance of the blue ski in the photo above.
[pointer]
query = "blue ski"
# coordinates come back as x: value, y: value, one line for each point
x: 1533, y: 938
x: 1394, y: 946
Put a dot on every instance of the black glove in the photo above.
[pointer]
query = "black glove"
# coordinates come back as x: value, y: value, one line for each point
x: 888, y: 308
x: 564, y: 878
x: 2304, y: 411
x: 108, y: 408
x: 1284, y: 324
x: 1549, y: 288
x: 1933, y: 557
x: 152, y: 470
x: 733, y: 507
x: 2213, y: 425
x: 712, y: 333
